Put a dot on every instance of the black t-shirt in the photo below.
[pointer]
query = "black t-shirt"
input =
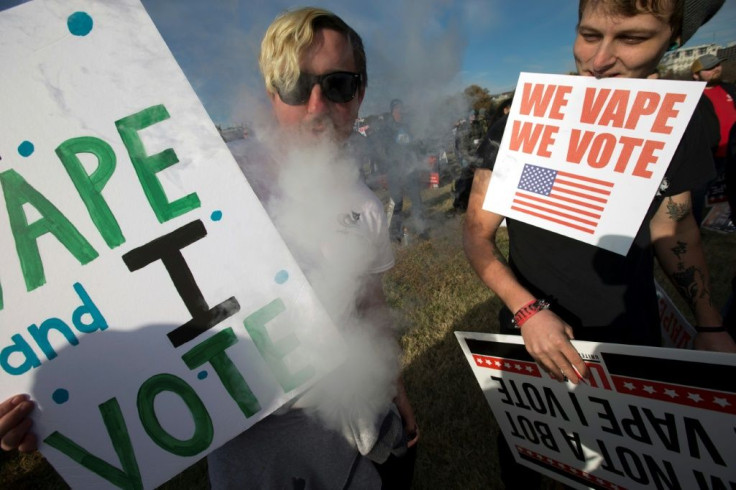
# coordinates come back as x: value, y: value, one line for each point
x: 592, y: 287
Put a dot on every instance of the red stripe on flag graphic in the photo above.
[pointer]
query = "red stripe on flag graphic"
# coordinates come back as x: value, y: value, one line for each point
x: 571, y: 200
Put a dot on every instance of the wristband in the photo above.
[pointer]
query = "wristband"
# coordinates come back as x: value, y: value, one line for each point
x: 529, y: 310
x: 710, y: 329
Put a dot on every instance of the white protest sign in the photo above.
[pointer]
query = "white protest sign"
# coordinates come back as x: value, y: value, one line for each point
x: 147, y: 303
x: 648, y: 418
x: 676, y: 330
x: 584, y: 157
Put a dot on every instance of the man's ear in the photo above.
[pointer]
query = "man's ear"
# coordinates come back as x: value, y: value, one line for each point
x: 696, y: 76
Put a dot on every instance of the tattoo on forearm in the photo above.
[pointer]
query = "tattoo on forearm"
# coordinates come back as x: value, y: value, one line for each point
x: 680, y: 250
x: 677, y: 212
x: 690, y: 283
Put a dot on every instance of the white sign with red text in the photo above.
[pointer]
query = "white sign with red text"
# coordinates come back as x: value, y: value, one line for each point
x: 676, y: 330
x: 583, y: 157
x: 646, y: 418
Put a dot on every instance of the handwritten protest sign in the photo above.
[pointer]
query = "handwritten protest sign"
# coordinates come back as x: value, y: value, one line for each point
x: 648, y: 418
x: 584, y: 157
x: 147, y: 303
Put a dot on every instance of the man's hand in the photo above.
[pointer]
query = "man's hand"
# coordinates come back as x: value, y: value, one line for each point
x: 547, y: 338
x: 715, y: 341
x: 407, y: 414
x: 15, y: 424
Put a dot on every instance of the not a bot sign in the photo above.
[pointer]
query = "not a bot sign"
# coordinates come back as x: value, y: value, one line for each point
x: 648, y: 418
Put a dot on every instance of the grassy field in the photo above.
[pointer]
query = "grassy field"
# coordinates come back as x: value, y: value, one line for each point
x: 434, y: 293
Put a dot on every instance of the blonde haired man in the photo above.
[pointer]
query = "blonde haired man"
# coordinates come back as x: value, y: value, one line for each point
x: 308, y: 50
x: 314, y: 70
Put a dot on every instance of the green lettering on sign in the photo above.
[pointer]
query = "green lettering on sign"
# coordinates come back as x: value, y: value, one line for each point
x: 203, y: 429
x: 18, y: 193
x: 212, y: 350
x: 146, y: 167
x: 274, y: 352
x: 90, y: 186
x: 127, y: 478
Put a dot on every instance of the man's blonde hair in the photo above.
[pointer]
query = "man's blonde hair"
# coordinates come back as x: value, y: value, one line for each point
x: 290, y: 34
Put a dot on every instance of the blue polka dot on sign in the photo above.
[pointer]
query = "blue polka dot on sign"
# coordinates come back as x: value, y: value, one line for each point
x: 60, y: 396
x: 26, y: 149
x: 216, y: 215
x: 202, y: 375
x: 281, y: 277
x: 79, y: 23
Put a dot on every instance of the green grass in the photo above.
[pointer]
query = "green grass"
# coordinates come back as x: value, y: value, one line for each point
x: 434, y: 293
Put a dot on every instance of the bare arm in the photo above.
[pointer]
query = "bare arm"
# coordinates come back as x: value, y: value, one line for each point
x: 676, y: 239
x: 546, y: 336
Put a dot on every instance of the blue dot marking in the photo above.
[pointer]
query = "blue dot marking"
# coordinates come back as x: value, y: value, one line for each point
x: 216, y: 215
x: 281, y: 277
x: 60, y: 396
x: 79, y: 23
x: 26, y: 149
x: 202, y: 375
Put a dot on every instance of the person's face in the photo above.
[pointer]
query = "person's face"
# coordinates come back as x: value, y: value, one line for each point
x: 711, y: 76
x: 396, y: 113
x: 617, y: 46
x: 319, y: 117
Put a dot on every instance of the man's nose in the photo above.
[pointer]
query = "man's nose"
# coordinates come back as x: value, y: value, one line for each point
x: 317, y: 102
x: 604, y: 58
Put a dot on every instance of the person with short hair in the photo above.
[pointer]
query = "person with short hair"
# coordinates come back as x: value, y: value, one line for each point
x: 564, y: 288
x: 314, y: 71
x: 398, y: 148
x: 708, y: 68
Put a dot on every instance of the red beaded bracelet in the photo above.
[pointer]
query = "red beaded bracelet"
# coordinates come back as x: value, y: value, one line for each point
x: 529, y: 310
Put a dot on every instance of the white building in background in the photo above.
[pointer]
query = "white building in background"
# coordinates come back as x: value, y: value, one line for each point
x: 680, y: 60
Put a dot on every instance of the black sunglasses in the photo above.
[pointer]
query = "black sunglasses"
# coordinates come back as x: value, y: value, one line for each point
x: 339, y: 86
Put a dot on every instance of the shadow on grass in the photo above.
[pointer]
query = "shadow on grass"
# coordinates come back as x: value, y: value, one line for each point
x: 458, y: 448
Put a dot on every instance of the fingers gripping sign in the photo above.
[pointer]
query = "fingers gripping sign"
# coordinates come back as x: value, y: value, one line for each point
x: 15, y: 424
x: 547, y: 339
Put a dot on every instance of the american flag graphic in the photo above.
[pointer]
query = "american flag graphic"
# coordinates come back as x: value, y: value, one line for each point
x: 562, y: 197
x: 501, y: 356
x: 694, y: 384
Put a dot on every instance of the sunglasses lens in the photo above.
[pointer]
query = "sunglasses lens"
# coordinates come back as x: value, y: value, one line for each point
x: 340, y: 87
x: 299, y: 94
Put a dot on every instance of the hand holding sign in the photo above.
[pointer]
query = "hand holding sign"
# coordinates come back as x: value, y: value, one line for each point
x: 547, y: 338
x: 715, y: 341
x: 15, y: 424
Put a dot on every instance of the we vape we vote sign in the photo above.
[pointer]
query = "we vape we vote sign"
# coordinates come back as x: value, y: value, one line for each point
x: 146, y: 301
x: 647, y: 417
x: 584, y: 157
